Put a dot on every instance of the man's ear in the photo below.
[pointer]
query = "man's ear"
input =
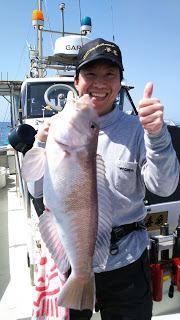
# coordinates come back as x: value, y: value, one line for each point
x: 76, y: 82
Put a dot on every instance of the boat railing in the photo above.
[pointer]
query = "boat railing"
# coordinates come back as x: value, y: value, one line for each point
x: 6, y: 152
x: 6, y: 148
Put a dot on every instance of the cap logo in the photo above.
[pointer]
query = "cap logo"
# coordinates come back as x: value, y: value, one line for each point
x: 113, y: 51
x: 108, y: 49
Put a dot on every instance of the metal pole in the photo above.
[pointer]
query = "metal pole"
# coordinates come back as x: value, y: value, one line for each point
x: 19, y: 177
x: 131, y: 101
x: 13, y: 107
x: 60, y: 32
x: 11, y: 110
x: 40, y: 41
x: 39, y: 32
x: 62, y: 8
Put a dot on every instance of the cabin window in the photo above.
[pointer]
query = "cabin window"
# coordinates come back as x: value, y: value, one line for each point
x: 35, y: 98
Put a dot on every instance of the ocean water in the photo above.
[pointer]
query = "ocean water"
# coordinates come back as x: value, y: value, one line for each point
x: 4, y: 130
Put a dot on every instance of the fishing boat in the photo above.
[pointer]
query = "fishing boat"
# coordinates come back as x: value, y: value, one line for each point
x: 32, y: 101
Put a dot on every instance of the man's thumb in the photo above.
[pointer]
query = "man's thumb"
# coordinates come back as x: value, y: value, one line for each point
x: 148, y: 90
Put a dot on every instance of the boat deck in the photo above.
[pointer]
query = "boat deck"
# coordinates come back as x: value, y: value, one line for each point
x: 16, y: 292
x: 15, y: 288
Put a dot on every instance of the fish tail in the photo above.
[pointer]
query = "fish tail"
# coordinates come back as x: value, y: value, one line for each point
x: 78, y: 294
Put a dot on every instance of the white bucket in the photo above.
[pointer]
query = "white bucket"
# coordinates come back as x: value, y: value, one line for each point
x: 2, y: 177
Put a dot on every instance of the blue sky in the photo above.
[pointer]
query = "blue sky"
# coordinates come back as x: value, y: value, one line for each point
x: 147, y: 32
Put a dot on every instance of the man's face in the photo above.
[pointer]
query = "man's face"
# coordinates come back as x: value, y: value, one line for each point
x: 102, y: 82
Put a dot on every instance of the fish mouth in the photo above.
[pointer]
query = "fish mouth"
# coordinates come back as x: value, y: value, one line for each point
x: 61, y: 144
x: 69, y: 141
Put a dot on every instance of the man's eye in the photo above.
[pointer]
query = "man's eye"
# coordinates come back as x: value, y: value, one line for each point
x: 110, y: 74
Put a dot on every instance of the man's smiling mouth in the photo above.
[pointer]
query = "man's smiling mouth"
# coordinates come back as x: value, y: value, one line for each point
x: 98, y: 95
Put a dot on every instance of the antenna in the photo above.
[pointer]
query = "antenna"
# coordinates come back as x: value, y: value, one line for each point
x: 62, y: 8
x: 112, y: 21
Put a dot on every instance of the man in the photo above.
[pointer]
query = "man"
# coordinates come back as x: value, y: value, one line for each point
x: 137, y: 152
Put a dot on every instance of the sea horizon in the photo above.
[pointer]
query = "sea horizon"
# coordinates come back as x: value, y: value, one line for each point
x: 4, y: 130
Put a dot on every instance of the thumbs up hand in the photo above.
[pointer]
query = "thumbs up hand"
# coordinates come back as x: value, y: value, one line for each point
x: 150, y: 111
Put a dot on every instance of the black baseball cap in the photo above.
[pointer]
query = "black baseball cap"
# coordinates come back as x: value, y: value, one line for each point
x: 99, y: 49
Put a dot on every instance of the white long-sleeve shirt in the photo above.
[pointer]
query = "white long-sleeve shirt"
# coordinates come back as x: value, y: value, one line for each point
x: 133, y: 159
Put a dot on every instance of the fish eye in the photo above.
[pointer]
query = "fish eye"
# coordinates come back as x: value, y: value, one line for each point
x: 93, y: 126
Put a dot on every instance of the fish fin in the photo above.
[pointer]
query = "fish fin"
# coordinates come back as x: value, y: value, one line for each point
x: 33, y: 165
x: 104, y: 217
x: 77, y: 294
x: 52, y: 241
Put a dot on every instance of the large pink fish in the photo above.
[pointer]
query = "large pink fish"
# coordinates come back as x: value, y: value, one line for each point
x: 78, y: 223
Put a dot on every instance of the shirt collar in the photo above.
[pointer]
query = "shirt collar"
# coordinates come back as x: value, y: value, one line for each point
x: 110, y: 118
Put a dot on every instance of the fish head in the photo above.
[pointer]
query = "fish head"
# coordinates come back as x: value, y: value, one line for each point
x: 77, y: 124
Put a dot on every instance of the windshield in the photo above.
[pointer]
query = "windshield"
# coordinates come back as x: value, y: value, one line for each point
x: 35, y: 98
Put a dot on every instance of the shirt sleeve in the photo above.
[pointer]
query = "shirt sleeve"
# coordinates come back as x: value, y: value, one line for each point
x: 36, y: 188
x: 161, y: 170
